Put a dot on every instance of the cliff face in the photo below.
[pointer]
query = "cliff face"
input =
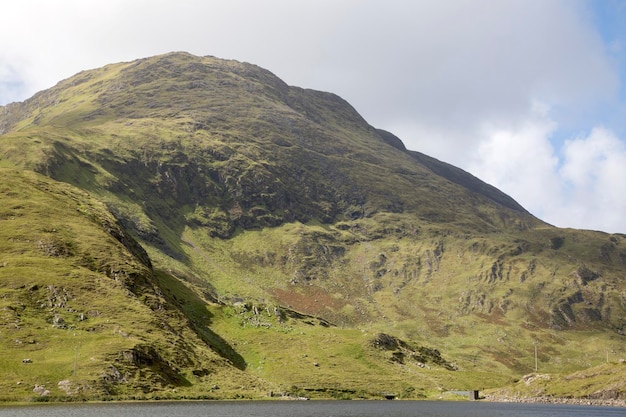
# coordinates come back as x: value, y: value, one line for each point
x: 249, y: 195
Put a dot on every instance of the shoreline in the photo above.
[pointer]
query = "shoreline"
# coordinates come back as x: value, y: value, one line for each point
x: 483, y: 398
x: 556, y: 400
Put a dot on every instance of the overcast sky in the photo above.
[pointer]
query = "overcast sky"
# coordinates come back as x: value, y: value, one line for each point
x: 527, y: 95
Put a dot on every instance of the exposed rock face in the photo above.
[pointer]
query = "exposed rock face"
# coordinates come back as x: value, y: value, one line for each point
x: 142, y: 356
x: 401, y: 351
x: 41, y: 390
x: 386, y: 342
x: 68, y: 387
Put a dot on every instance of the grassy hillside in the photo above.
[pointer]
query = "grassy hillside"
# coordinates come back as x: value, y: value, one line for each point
x: 82, y: 311
x: 280, y: 236
x: 603, y: 384
x: 85, y: 316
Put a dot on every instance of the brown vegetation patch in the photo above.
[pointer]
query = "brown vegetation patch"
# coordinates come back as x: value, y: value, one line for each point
x: 432, y: 317
x: 510, y: 359
x: 495, y: 317
x: 311, y: 300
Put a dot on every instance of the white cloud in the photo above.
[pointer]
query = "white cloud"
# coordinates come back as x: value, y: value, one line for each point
x: 582, y: 186
x: 594, y: 170
x: 455, y: 64
x: 520, y: 161
x: 12, y: 84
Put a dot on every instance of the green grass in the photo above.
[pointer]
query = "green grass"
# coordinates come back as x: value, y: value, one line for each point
x: 244, y: 191
x: 600, y: 382
x: 67, y: 298
x: 49, y: 235
x: 319, y: 361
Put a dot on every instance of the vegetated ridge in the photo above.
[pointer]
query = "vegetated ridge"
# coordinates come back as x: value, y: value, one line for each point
x: 191, y: 227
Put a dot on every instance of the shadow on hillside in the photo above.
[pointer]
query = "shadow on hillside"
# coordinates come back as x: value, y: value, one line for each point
x: 194, y: 308
x: 146, y: 208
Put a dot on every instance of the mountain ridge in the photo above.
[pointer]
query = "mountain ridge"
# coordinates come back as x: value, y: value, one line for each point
x: 275, y: 214
x: 279, y: 89
x: 454, y: 174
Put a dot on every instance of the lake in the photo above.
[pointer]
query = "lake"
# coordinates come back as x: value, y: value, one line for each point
x: 310, y: 409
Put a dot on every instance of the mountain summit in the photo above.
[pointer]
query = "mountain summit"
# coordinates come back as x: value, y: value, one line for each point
x: 262, y: 224
x: 244, y: 139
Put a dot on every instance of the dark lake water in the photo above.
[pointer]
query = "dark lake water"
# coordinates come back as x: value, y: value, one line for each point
x: 311, y: 409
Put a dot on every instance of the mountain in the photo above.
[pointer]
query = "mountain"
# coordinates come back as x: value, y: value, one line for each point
x: 232, y: 235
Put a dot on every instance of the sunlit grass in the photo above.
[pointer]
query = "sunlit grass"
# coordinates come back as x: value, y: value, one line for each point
x: 244, y: 191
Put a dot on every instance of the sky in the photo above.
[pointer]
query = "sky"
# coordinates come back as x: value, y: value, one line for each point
x: 527, y: 95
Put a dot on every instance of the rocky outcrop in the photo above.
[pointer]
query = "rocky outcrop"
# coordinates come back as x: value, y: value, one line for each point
x: 402, y: 351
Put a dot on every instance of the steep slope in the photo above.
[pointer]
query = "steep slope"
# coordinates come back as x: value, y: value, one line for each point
x: 454, y: 174
x: 82, y: 311
x: 251, y: 192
